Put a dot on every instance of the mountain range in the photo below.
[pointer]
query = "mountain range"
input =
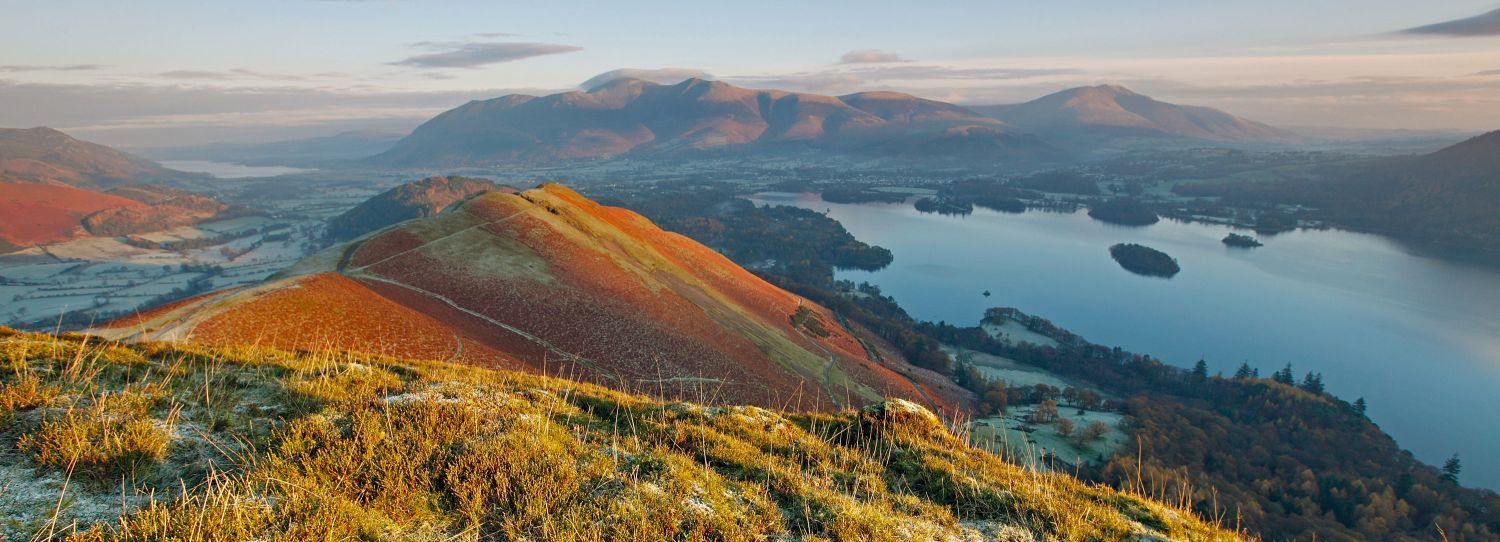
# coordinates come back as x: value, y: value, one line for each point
x: 45, y: 155
x: 323, y: 151
x: 549, y: 281
x: 1113, y: 111
x: 54, y: 187
x: 632, y: 117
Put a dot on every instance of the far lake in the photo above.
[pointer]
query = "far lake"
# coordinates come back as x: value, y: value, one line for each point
x: 1418, y: 337
x: 226, y: 170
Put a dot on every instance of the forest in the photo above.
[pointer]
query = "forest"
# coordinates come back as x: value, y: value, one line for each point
x: 789, y: 241
x: 1125, y: 212
x: 991, y: 194
x: 944, y: 206
x: 1443, y: 203
x: 1276, y: 455
x: 1144, y: 260
x: 1241, y: 241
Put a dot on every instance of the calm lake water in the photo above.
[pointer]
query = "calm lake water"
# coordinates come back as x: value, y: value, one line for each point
x: 226, y: 170
x: 1419, y: 338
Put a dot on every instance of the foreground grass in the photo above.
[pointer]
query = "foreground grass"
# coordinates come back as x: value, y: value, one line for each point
x: 176, y: 442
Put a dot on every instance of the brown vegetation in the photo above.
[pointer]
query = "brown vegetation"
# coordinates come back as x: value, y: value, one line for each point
x: 551, y: 281
x: 272, y: 445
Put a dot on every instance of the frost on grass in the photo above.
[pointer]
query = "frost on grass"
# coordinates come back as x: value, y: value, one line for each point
x: 274, y: 445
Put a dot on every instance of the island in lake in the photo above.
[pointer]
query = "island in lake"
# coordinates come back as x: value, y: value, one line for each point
x: 1242, y: 241
x: 944, y: 206
x: 860, y: 195
x: 1144, y: 260
x: 1124, y: 211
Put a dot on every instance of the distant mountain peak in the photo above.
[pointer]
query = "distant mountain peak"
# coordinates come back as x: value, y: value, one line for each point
x: 1109, y: 88
x: 635, y: 116
x: 43, y: 154
x: 1487, y: 139
x: 1478, y: 155
x: 1112, y: 110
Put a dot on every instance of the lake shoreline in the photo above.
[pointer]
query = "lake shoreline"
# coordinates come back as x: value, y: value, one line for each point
x: 1331, y: 301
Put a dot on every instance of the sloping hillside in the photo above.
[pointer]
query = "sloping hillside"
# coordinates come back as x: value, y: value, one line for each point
x: 411, y: 200
x: 631, y: 116
x: 54, y: 188
x: 36, y: 213
x: 1115, y: 111
x: 1444, y: 202
x: 44, y: 154
x: 164, y: 442
x: 550, y: 281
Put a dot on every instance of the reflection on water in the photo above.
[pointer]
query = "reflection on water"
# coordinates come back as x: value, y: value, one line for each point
x: 226, y: 170
x: 1419, y: 338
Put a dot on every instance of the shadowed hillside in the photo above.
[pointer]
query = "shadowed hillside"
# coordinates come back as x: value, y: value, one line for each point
x: 1444, y: 202
x: 411, y: 200
x: 1112, y: 111
x: 47, y: 155
x: 54, y: 188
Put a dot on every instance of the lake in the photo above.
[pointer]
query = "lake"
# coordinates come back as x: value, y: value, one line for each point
x: 226, y: 170
x: 1417, y: 337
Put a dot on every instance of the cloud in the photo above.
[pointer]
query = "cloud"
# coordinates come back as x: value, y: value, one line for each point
x: 142, y: 114
x: 474, y: 55
x: 941, y: 72
x: 659, y: 75
x: 870, y: 56
x: 842, y: 79
x: 13, y: 68
x: 195, y: 74
x: 824, y: 82
x: 235, y: 73
x: 1487, y: 24
x: 1485, y: 73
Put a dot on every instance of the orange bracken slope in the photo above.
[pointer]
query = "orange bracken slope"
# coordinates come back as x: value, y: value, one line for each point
x: 40, y: 213
x: 551, y: 281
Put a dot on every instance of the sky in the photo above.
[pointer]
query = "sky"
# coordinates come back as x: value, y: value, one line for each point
x: 166, y: 72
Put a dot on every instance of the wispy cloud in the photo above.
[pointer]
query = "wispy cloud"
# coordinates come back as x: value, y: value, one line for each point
x: 15, y: 68
x: 236, y: 74
x: 821, y: 82
x: 659, y: 75
x: 195, y: 74
x: 942, y: 72
x: 1485, y: 73
x: 173, y: 114
x: 476, y: 54
x: 842, y: 79
x: 1486, y: 24
x: 870, y: 56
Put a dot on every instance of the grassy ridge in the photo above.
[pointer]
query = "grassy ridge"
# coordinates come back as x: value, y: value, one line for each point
x: 232, y: 444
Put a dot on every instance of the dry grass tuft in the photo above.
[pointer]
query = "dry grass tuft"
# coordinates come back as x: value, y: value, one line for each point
x: 237, y: 444
x: 113, y: 437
